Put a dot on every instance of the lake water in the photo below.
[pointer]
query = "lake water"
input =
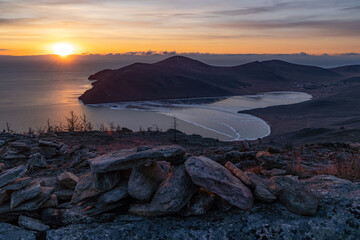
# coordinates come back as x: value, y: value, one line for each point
x: 30, y: 94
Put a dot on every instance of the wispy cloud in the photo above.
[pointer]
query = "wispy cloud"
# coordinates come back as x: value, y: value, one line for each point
x: 256, y: 10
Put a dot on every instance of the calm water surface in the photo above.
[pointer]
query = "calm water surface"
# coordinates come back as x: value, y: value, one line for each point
x: 30, y: 95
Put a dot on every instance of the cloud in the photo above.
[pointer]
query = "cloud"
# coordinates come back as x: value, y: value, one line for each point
x: 256, y: 10
x: 307, y: 27
x: 3, y: 49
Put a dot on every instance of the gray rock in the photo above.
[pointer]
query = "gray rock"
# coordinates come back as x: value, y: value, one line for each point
x: 10, y: 175
x: 68, y: 180
x: 64, y: 195
x: 18, y: 184
x: 295, y: 196
x: 116, y: 194
x: 333, y: 188
x: 172, y: 195
x: 31, y: 205
x: 199, y: 204
x: 32, y: 224
x: 64, y: 150
x: 36, y: 160
x: 261, y: 188
x: 8, y: 231
x: 130, y: 158
x: 13, y: 157
x: 92, y: 184
x: 19, y: 146
x: 50, y: 181
x: 145, y: 180
x: 25, y: 194
x: 238, y: 173
x: 217, y: 179
x: 49, y: 144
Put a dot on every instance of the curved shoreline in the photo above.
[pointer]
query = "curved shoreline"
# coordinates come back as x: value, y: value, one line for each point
x: 173, y: 108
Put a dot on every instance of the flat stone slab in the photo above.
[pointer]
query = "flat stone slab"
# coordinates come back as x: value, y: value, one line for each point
x: 23, y: 195
x: 10, y: 175
x: 32, y: 224
x: 130, y: 158
x: 214, y: 177
x: 92, y: 184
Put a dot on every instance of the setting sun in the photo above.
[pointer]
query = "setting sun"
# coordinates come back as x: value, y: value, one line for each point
x: 63, y: 49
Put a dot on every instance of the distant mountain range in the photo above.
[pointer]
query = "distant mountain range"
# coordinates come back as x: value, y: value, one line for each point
x: 182, y: 77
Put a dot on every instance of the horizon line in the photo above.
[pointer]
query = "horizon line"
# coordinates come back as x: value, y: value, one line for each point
x: 174, y: 53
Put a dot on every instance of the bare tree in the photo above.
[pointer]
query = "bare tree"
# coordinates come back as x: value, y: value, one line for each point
x: 118, y: 128
x: 49, y: 128
x: 112, y: 126
x: 85, y: 124
x: 8, y: 128
x: 72, y: 122
x: 102, y: 127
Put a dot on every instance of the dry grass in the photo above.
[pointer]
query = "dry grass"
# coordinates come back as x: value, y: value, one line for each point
x: 345, y: 168
x: 349, y: 168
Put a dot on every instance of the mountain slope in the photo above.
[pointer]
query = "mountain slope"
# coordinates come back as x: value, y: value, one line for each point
x: 182, y: 77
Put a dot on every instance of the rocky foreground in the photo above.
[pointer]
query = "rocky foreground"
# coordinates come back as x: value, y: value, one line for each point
x: 132, y: 187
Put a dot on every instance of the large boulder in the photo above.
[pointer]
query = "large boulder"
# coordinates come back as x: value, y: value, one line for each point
x: 294, y: 195
x: 145, y: 180
x: 131, y: 158
x: 172, y: 195
x: 212, y: 176
x: 10, y: 175
x: 92, y: 184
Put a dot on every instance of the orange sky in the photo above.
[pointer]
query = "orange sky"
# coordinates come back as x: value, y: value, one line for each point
x: 32, y: 27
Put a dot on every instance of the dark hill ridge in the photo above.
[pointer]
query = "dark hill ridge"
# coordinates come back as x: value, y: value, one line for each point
x: 182, y: 77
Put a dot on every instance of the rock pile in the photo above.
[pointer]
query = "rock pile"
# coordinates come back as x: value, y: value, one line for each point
x: 143, y: 181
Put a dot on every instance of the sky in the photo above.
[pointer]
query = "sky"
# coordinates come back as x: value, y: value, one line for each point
x: 32, y: 27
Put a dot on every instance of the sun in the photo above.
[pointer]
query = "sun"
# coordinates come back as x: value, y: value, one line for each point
x: 63, y: 49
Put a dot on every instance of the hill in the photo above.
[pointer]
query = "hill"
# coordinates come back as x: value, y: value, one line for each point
x: 182, y: 77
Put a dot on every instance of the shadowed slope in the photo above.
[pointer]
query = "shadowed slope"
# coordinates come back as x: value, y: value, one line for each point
x: 182, y: 77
